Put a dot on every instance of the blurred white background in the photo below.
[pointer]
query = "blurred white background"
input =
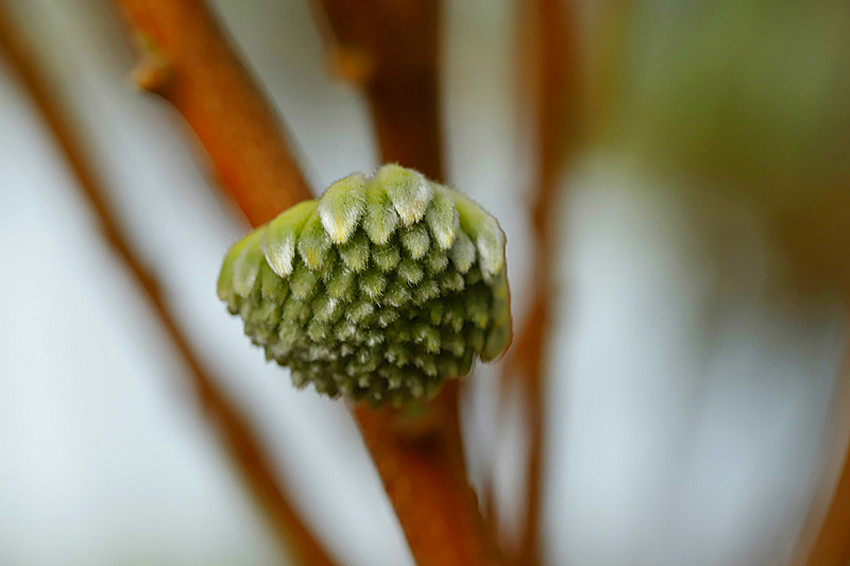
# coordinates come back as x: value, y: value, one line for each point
x: 689, y: 394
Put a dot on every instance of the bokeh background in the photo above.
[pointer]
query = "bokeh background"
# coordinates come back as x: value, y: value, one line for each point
x: 695, y: 358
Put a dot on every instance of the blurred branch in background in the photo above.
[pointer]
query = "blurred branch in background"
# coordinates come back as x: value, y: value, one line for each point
x: 548, y: 83
x: 205, y: 82
x: 831, y: 545
x: 233, y: 431
x: 390, y: 49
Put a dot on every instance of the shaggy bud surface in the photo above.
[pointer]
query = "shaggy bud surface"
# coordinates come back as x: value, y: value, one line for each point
x: 379, y: 291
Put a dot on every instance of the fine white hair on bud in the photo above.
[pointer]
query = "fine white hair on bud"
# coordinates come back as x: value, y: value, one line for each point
x: 247, y: 265
x: 462, y: 253
x: 359, y: 311
x: 303, y: 282
x: 410, y: 271
x: 224, y: 287
x: 373, y: 283
x: 278, y: 243
x: 416, y: 240
x: 485, y: 233
x: 341, y: 285
x: 426, y: 291
x: 342, y: 205
x: 436, y: 262
x: 397, y: 295
x: 379, y: 291
x: 272, y: 287
x: 386, y: 257
x: 314, y: 242
x: 325, y: 308
x: 442, y: 217
x: 409, y: 191
x: 380, y: 219
x: 355, y: 252
x: 428, y: 336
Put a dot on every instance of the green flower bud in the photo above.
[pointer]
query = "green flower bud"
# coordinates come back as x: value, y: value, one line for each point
x: 378, y: 291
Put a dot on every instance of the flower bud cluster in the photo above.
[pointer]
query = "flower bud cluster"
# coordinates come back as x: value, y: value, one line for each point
x: 378, y: 291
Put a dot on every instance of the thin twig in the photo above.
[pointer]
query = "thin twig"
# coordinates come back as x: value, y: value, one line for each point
x: 234, y: 432
x: 549, y: 84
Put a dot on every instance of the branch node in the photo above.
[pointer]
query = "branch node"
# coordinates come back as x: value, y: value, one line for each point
x: 352, y: 65
x: 153, y: 72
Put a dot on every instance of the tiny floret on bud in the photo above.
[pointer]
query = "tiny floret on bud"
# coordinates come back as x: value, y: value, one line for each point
x: 355, y: 252
x: 303, y: 282
x: 342, y: 205
x: 224, y: 287
x: 373, y: 283
x: 410, y: 271
x: 462, y: 253
x: 409, y: 191
x: 314, y: 242
x: 386, y: 257
x: 485, y: 233
x: 278, y: 243
x: 442, y: 217
x: 416, y: 240
x: 379, y: 291
x: 381, y: 218
x: 247, y: 265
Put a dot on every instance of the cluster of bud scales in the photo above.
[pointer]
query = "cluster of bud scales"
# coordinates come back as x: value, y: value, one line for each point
x: 378, y: 291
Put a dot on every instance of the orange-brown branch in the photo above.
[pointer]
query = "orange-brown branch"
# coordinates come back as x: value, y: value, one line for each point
x: 234, y: 432
x: 189, y: 61
x: 427, y: 485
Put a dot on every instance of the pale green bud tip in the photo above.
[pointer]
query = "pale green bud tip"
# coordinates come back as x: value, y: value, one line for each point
x: 342, y: 205
x: 485, y: 233
x: 442, y: 217
x: 409, y: 191
x: 378, y: 291
x: 313, y: 242
x: 381, y: 218
x: 278, y: 243
x: 247, y: 264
